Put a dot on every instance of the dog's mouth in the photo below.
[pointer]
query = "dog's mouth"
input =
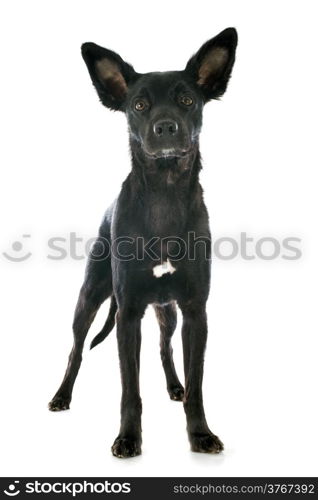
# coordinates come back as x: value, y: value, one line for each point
x: 167, y: 153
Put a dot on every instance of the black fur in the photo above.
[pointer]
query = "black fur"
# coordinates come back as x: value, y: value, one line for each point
x: 161, y: 206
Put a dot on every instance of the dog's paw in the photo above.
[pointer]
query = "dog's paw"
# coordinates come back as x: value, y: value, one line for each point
x: 205, y: 443
x: 126, y: 447
x: 59, y: 403
x: 176, y: 393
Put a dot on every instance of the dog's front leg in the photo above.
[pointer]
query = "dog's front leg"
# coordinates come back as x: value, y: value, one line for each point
x: 128, y: 442
x: 194, y: 336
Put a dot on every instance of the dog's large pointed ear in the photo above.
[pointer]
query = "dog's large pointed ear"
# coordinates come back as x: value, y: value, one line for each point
x: 211, y: 66
x: 109, y: 73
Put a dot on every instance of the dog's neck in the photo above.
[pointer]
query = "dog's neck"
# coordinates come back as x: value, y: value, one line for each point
x: 168, y: 190
x: 161, y: 174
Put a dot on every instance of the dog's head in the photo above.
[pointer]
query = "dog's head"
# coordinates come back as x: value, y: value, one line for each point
x: 164, y: 110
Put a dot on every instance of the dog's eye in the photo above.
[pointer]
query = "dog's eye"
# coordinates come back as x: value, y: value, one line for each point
x: 186, y: 100
x: 140, y: 105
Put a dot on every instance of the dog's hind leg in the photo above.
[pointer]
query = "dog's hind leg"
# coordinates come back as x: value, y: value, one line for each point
x: 96, y: 288
x: 167, y: 318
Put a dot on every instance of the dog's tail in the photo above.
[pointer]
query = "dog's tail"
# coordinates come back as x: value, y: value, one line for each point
x: 109, y: 324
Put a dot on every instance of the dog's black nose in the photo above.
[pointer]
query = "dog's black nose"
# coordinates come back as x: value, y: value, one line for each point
x: 164, y: 128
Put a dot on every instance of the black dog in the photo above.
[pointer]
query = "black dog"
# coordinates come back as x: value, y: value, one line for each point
x: 159, y: 232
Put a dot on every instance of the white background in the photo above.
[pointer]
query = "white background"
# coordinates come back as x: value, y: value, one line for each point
x: 63, y: 159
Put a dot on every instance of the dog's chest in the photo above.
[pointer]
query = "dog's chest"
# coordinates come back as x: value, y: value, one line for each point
x: 165, y: 267
x: 166, y: 214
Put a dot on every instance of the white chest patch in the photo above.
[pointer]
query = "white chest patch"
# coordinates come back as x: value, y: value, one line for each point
x: 165, y: 267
